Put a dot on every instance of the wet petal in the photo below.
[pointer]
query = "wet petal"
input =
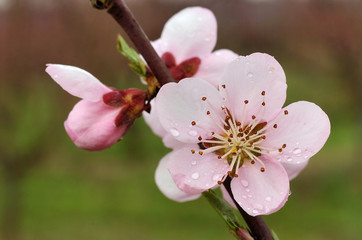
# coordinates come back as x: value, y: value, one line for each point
x: 304, y: 131
x: 194, y: 173
x: 179, y: 105
x: 293, y: 169
x: 212, y: 67
x: 261, y: 193
x: 248, y: 78
x: 91, y: 125
x: 226, y: 196
x: 189, y: 33
x: 77, y: 82
x: 166, y: 184
x: 153, y: 121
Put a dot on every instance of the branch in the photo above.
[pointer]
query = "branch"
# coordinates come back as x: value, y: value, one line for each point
x: 258, y: 227
x: 123, y: 16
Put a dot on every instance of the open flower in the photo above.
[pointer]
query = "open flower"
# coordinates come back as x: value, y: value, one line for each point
x: 185, y: 46
x: 103, y: 115
x: 239, y: 130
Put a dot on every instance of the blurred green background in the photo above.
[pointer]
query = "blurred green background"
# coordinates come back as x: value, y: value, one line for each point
x: 51, y: 190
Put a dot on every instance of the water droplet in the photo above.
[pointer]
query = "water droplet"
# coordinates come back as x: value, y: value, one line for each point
x: 193, y: 133
x: 258, y: 206
x: 207, y: 39
x: 250, y: 74
x: 174, y: 132
x: 255, y: 211
x: 243, y: 196
x: 55, y: 76
x: 195, y: 175
x: 247, y: 190
x: 217, y: 177
x: 268, y: 199
x: 250, y: 196
x: 244, y: 183
x: 281, y: 193
x: 297, y: 151
x: 290, y: 193
x: 289, y: 159
x: 306, y: 157
x: 193, y: 163
x: 207, y: 185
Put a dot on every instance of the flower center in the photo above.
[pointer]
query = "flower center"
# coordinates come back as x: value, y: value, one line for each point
x: 185, y: 69
x: 239, y: 141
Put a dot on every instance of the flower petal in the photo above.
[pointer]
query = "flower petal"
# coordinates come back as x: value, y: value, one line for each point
x: 260, y: 193
x: 180, y: 104
x: 153, y: 121
x: 304, y: 131
x: 227, y: 197
x: 293, y: 169
x: 166, y: 184
x: 246, y: 78
x: 212, y: 66
x: 77, y: 82
x: 91, y: 125
x: 195, y: 173
x: 189, y: 33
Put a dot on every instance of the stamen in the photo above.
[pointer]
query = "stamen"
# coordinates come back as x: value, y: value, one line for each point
x: 203, y: 98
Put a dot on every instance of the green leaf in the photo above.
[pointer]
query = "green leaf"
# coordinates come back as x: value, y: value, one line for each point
x: 275, y: 236
x: 136, y: 63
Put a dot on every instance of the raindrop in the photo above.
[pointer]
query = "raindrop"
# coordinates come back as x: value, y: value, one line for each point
x: 174, y: 132
x: 258, y: 206
x: 268, y: 199
x: 195, y: 175
x: 255, y: 211
x: 245, y: 197
x: 193, y: 133
x: 244, y: 183
x: 55, y: 76
x: 306, y: 157
x: 250, y: 74
x: 247, y: 190
x: 193, y: 163
x: 217, y: 177
x: 297, y: 151
x: 289, y: 159
x: 207, y: 39
x: 250, y: 196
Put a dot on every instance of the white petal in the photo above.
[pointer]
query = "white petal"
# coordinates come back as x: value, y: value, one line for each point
x: 246, y: 78
x: 166, y: 184
x: 304, y: 130
x: 180, y: 104
x: 153, y: 121
x: 77, y: 82
x: 189, y: 33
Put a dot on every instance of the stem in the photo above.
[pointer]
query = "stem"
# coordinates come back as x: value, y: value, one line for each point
x: 258, y: 227
x: 123, y: 16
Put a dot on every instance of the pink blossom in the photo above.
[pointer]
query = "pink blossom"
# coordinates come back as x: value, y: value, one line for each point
x: 239, y: 130
x: 186, y: 45
x: 103, y: 115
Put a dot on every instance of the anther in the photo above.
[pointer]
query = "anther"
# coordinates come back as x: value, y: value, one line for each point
x: 262, y: 169
x: 236, y: 175
x: 247, y: 137
x: 246, y: 101
x: 192, y: 151
x: 284, y: 145
x: 231, y: 135
x: 223, y: 86
x: 193, y: 123
x: 238, y: 123
x: 263, y: 103
x: 263, y: 93
x: 253, y: 117
x: 227, y: 127
x: 219, y: 182
x: 229, y: 173
x: 219, y: 157
x: 208, y: 112
x: 234, y: 153
x: 263, y: 137
x: 275, y: 126
x: 200, y: 138
x: 285, y: 112
x: 212, y: 133
x: 252, y: 162
x: 280, y: 150
x: 201, y: 152
x: 203, y: 98
x: 229, y: 140
x: 240, y: 135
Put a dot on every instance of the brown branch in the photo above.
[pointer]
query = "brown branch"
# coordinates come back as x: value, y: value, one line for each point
x: 257, y: 226
x: 126, y: 20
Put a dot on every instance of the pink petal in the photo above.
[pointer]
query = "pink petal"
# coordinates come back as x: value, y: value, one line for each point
x: 166, y: 184
x: 91, y: 125
x: 194, y: 173
x: 180, y: 104
x: 226, y: 196
x: 293, y: 169
x: 261, y: 193
x: 189, y: 33
x: 246, y: 78
x: 304, y: 130
x: 212, y: 66
x: 77, y: 82
x: 153, y: 121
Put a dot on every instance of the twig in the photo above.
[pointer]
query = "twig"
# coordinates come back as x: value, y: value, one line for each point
x: 125, y: 18
x: 258, y: 227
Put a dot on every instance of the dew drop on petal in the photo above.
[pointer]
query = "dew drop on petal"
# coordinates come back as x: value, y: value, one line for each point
x: 174, y: 132
x: 255, y: 211
x: 193, y: 133
x: 250, y: 74
x: 258, y: 206
x: 195, y: 175
x: 193, y: 163
x: 243, y: 196
x: 247, y: 190
x: 289, y: 159
x: 55, y: 76
x: 207, y: 39
x: 297, y: 151
x: 217, y: 177
x: 244, y: 183
x: 268, y: 199
x: 250, y: 196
